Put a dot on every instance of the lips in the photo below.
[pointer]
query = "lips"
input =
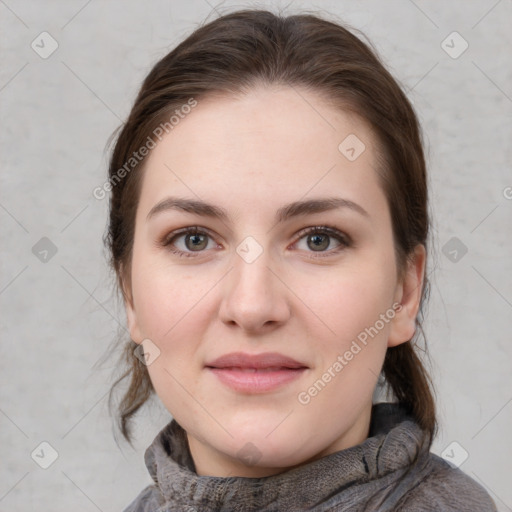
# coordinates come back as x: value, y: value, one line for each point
x: 268, y: 360
x: 256, y: 373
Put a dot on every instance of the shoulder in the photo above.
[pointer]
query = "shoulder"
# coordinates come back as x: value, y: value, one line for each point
x: 149, y: 500
x: 445, y: 489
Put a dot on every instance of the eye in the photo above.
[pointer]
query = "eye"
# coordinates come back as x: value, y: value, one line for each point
x: 192, y: 241
x: 319, y: 239
x: 188, y: 241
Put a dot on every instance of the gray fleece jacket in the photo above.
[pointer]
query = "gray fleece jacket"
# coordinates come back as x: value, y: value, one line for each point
x: 392, y: 470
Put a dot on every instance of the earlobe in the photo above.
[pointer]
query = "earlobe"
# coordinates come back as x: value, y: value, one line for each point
x: 131, y: 314
x: 408, y: 294
x: 133, y: 325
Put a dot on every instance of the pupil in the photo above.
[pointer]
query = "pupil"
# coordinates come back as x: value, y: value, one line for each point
x: 317, y: 241
x: 197, y: 241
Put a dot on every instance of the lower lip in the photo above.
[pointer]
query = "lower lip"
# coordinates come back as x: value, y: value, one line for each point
x: 258, y: 381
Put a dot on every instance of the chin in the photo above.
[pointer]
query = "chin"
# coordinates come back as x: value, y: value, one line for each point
x: 270, y: 443
x: 253, y: 458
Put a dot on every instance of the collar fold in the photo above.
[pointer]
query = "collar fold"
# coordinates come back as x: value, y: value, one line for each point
x: 395, y: 441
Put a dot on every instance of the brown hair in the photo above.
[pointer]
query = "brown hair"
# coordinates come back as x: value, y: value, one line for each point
x: 229, y: 56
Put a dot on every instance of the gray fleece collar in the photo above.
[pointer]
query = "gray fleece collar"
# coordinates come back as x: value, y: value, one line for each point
x: 396, y: 449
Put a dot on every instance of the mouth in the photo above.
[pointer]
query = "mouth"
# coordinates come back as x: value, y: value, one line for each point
x: 256, y: 373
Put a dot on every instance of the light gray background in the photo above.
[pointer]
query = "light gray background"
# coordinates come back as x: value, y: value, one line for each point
x: 59, y: 317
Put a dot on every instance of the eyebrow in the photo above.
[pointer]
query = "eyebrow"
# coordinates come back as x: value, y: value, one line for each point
x: 295, y: 209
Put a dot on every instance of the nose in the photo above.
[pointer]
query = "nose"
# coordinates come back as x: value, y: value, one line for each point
x: 255, y: 298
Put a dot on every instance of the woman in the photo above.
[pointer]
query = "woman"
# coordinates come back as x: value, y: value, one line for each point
x: 268, y: 229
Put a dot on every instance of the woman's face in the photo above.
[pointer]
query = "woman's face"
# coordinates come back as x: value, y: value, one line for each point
x: 266, y: 338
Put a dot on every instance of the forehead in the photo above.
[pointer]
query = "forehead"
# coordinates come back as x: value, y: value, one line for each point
x: 271, y: 144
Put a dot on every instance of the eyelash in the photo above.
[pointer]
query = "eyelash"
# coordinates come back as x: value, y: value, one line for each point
x: 343, y: 239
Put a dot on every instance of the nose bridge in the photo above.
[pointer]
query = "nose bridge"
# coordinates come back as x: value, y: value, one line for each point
x: 252, y: 273
x: 253, y: 296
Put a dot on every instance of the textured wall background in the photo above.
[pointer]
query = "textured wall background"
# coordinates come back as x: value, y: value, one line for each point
x: 58, y: 315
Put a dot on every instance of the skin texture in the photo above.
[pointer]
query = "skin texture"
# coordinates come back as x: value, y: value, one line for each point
x: 251, y: 155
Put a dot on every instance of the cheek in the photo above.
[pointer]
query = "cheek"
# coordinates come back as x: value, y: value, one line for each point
x: 174, y: 311
x: 351, y: 357
x: 152, y: 304
x: 171, y: 314
x: 352, y: 301
x: 163, y: 296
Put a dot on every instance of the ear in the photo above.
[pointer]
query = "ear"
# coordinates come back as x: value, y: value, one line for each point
x: 408, y: 294
x: 131, y: 314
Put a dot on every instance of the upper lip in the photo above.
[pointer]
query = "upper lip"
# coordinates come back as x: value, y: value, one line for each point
x: 265, y: 360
